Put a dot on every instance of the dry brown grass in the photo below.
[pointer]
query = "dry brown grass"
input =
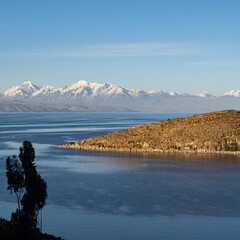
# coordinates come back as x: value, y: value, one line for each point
x: 210, y: 132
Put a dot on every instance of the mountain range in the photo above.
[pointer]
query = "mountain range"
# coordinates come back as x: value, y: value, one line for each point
x: 109, y: 97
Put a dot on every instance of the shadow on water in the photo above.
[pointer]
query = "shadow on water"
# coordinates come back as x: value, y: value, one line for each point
x: 142, y: 184
x: 150, y: 185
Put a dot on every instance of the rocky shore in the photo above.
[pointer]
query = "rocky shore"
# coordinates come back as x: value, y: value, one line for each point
x: 216, y: 132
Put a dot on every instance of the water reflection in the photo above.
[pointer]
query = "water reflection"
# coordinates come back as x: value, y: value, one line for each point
x: 139, y: 184
x: 80, y: 225
x: 143, y: 185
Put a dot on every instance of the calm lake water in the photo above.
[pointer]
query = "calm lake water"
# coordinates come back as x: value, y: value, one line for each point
x: 107, y: 196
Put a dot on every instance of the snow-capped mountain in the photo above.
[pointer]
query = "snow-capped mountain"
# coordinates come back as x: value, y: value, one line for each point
x: 78, y: 91
x: 204, y: 94
x: 23, y: 91
x: 109, y: 95
x: 233, y: 93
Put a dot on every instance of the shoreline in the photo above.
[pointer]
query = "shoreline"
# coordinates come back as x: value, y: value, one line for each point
x: 122, y: 150
x: 209, y: 133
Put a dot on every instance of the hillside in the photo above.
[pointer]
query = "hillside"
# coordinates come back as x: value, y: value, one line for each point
x: 210, y: 132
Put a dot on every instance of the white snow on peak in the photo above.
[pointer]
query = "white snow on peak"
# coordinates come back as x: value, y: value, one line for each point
x: 91, y: 89
x: 156, y: 92
x: 173, y: 93
x: 232, y: 93
x: 92, y: 92
x: 26, y: 83
x: 204, y: 94
x: 159, y: 92
x: 81, y: 83
x: 25, y: 90
x: 29, y: 86
x: 44, y: 91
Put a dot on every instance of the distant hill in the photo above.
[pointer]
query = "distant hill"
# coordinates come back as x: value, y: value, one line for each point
x: 211, y: 132
x: 14, y: 106
x: 109, y: 95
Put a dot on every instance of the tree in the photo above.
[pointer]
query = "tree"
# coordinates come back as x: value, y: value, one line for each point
x: 15, y: 178
x: 24, y: 178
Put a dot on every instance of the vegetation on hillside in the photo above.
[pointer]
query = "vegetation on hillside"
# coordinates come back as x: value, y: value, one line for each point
x: 8, y: 231
x: 210, y: 132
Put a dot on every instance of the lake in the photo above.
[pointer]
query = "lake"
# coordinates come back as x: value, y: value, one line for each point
x: 111, y: 196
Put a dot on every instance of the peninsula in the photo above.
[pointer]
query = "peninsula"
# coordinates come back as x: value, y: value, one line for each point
x: 215, y: 132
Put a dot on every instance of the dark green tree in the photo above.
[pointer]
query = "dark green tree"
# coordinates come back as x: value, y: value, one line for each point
x: 24, y: 178
x: 15, y: 178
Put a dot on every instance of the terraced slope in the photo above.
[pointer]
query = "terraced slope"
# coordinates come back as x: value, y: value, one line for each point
x: 210, y: 132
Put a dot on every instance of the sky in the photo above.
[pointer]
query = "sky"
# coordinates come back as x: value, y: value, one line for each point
x: 185, y: 46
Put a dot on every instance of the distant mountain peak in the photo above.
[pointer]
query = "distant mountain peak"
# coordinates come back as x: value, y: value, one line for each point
x: 25, y: 90
x: 26, y: 83
x: 82, y: 82
x: 156, y: 92
x: 173, y: 93
x: 204, y: 94
x: 232, y: 93
x: 107, y: 94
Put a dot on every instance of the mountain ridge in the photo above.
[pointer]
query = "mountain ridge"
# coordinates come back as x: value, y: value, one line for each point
x: 107, y: 94
x: 97, y: 88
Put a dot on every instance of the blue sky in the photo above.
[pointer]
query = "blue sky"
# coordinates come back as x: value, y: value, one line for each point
x: 171, y: 45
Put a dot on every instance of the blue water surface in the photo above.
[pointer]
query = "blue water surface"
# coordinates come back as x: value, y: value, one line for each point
x: 101, y: 196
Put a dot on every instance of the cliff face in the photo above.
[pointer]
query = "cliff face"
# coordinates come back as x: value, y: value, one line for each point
x: 210, y: 132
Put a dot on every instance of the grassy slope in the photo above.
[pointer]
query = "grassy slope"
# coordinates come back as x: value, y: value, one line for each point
x: 210, y: 132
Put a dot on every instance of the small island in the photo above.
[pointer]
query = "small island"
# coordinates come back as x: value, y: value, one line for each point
x: 215, y: 132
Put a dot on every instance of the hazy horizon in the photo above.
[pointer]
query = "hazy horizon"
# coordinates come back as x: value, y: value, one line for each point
x: 93, y: 82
